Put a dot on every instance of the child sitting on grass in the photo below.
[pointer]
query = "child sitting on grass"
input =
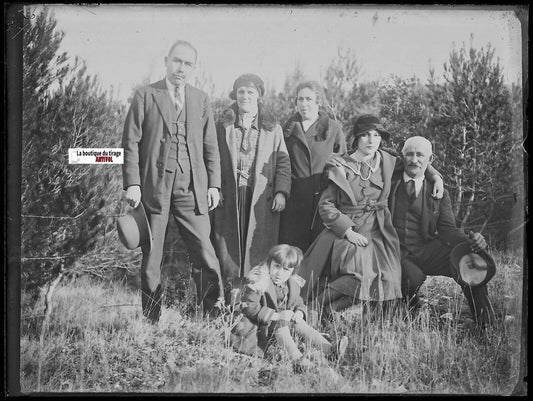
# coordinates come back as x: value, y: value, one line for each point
x: 271, y: 305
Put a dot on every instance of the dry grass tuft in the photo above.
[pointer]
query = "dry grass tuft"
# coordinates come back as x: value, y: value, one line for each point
x: 97, y: 341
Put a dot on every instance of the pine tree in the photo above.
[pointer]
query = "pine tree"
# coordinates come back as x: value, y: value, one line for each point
x: 472, y: 129
x: 63, y: 206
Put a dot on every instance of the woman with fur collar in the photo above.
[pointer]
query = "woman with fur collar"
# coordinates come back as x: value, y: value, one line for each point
x: 311, y: 137
x: 271, y: 306
x: 255, y: 182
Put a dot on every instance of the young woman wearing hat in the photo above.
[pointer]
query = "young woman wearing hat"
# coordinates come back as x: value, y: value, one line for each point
x: 358, y: 251
x: 311, y: 137
x: 256, y: 180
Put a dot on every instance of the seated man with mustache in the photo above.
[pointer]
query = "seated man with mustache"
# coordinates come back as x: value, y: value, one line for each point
x: 427, y: 231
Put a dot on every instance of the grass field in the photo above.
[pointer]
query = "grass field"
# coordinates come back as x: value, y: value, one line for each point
x: 97, y: 341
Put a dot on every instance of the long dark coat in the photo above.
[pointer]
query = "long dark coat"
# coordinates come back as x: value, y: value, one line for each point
x: 272, y: 175
x: 146, y: 143
x: 300, y: 224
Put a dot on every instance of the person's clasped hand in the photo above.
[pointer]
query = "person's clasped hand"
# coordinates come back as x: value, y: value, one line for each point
x: 477, y: 241
x: 356, y: 238
x: 335, y: 160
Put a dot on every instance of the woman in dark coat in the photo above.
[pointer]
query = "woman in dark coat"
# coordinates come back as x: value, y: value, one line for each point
x: 311, y: 138
x: 255, y: 182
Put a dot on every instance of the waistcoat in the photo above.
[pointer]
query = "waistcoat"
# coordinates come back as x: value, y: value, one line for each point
x: 179, y: 155
x: 407, y: 217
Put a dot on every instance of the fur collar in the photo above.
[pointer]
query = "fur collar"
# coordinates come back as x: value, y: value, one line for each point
x: 267, y: 120
x: 259, y: 278
x: 322, y: 126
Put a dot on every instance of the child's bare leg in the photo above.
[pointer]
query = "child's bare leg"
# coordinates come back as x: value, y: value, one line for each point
x: 308, y: 333
x: 284, y: 338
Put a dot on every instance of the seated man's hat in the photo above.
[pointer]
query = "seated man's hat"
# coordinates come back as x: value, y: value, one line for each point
x: 134, y: 229
x: 471, y: 268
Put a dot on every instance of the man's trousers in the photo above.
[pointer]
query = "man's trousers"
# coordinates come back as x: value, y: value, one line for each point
x: 434, y: 260
x: 178, y: 198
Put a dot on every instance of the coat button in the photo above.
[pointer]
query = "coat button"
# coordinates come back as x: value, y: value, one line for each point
x: 270, y: 184
x: 159, y: 164
x: 163, y: 140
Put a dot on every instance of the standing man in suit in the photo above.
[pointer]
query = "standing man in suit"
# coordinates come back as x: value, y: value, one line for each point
x: 427, y: 231
x: 172, y: 165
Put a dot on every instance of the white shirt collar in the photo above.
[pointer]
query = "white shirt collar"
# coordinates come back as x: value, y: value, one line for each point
x: 172, y: 88
x: 418, y: 182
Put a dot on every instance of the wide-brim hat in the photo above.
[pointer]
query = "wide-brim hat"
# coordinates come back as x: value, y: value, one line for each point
x: 368, y: 122
x: 248, y: 80
x: 471, y: 268
x: 134, y: 229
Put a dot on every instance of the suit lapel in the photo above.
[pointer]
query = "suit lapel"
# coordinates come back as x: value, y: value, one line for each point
x: 189, y: 105
x: 299, y: 135
x: 338, y: 176
x: 164, y: 104
x: 392, y: 195
x: 427, y: 209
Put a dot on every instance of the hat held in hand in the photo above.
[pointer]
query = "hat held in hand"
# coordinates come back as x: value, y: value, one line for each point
x: 471, y: 268
x: 134, y: 229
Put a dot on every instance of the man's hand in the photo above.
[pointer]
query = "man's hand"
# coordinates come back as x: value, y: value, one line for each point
x: 133, y: 195
x: 278, y: 204
x: 213, y: 198
x: 356, y: 238
x: 335, y: 160
x: 477, y: 241
x: 438, y: 187
x: 298, y: 316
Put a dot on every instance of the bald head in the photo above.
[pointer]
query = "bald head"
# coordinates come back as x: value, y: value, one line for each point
x: 417, y: 155
x: 418, y: 142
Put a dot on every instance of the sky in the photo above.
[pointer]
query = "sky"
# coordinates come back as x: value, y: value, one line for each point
x: 125, y: 44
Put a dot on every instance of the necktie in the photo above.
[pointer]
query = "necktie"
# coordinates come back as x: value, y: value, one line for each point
x: 178, y: 99
x: 411, y: 191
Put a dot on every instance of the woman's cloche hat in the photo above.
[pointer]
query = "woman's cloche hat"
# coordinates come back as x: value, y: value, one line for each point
x: 368, y: 122
x: 134, y: 229
x: 248, y: 80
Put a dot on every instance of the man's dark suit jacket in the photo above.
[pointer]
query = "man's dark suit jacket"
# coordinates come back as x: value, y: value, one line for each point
x: 146, y: 142
x: 438, y: 220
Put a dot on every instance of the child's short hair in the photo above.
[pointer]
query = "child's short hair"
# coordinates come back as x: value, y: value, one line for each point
x: 285, y: 255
